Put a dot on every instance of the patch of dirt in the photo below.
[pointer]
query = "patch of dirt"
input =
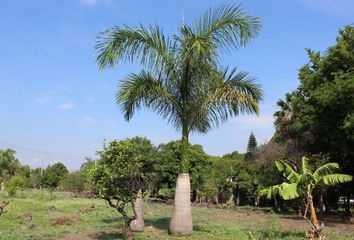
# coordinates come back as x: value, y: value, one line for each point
x: 64, y: 220
x: 51, y: 209
x: 150, y: 229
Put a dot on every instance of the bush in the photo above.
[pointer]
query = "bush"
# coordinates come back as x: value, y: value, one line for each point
x: 14, y: 184
x: 73, y: 182
x: 165, y: 193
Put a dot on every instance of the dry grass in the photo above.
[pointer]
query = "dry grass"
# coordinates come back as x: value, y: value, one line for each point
x: 64, y: 220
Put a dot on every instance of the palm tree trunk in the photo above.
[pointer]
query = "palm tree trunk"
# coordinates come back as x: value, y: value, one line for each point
x: 138, y: 225
x: 181, y: 222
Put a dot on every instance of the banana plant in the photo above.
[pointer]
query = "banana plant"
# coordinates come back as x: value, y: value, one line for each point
x: 301, y: 185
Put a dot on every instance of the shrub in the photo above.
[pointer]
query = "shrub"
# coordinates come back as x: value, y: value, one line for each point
x: 73, y: 182
x: 165, y: 193
x: 14, y: 184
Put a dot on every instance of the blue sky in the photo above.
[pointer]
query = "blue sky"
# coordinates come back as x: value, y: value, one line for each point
x: 57, y: 106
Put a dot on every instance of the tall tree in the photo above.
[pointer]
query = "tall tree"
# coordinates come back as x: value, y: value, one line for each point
x: 251, y: 147
x: 183, y: 80
x: 321, y: 110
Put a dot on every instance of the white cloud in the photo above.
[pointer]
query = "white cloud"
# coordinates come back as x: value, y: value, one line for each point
x: 261, y: 122
x: 66, y: 106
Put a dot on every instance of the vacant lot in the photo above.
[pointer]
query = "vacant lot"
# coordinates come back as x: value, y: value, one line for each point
x: 42, y: 215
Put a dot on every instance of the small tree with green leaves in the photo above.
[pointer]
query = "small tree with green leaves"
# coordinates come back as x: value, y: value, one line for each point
x: 301, y: 185
x: 122, y: 173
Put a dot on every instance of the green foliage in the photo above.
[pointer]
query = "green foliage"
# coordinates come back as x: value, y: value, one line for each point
x: 73, y: 182
x: 168, y: 163
x: 8, y: 164
x: 317, y: 118
x: 124, y: 169
x: 252, y: 143
x: 53, y: 174
x: 183, y: 80
x: 14, y: 184
x: 301, y: 183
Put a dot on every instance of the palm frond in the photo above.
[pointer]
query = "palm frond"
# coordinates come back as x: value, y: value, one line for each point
x: 227, y: 95
x: 324, y: 170
x: 306, y: 168
x: 227, y: 26
x: 149, y: 45
x: 144, y: 89
x: 333, y: 179
x: 288, y: 172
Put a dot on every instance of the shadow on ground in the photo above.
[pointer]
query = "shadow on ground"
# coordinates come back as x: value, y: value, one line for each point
x: 158, y: 223
x: 109, y: 236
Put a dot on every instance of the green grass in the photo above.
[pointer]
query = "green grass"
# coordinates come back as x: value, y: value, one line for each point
x: 105, y: 223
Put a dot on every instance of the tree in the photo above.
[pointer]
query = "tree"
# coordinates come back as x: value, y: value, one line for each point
x: 168, y: 164
x: 121, y: 176
x: 184, y: 82
x: 53, y: 174
x: 301, y: 185
x: 251, y: 146
x: 8, y: 165
x: 322, y: 107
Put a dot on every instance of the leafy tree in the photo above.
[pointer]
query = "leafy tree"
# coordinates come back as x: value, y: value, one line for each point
x: 234, y: 155
x: 53, y: 174
x: 183, y: 80
x: 122, y: 173
x: 302, y: 184
x: 168, y: 164
x: 8, y: 165
x: 73, y: 182
x: 321, y: 109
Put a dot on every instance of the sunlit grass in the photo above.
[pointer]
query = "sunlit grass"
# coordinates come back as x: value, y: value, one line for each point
x: 106, y: 223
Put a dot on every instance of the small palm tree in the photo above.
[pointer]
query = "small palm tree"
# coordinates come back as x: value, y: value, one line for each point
x: 302, y: 185
x: 183, y: 80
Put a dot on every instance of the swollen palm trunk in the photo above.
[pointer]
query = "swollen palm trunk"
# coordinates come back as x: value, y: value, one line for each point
x: 181, y: 222
x: 138, y: 225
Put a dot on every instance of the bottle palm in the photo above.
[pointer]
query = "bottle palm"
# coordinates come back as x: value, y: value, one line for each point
x: 183, y: 80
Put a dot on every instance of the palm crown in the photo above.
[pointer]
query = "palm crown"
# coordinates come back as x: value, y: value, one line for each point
x: 183, y: 80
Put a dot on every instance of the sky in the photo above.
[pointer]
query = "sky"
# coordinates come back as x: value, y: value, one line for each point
x: 55, y: 105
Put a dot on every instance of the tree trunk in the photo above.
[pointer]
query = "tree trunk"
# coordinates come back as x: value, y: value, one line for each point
x: 312, y: 209
x: 194, y: 196
x: 138, y: 225
x: 315, y: 233
x: 181, y: 222
x: 321, y: 205
x: 128, y: 231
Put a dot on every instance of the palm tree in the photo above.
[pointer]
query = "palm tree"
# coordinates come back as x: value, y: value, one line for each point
x: 302, y: 185
x: 183, y: 80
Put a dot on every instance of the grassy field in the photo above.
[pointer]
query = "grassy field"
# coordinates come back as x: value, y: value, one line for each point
x: 66, y: 222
